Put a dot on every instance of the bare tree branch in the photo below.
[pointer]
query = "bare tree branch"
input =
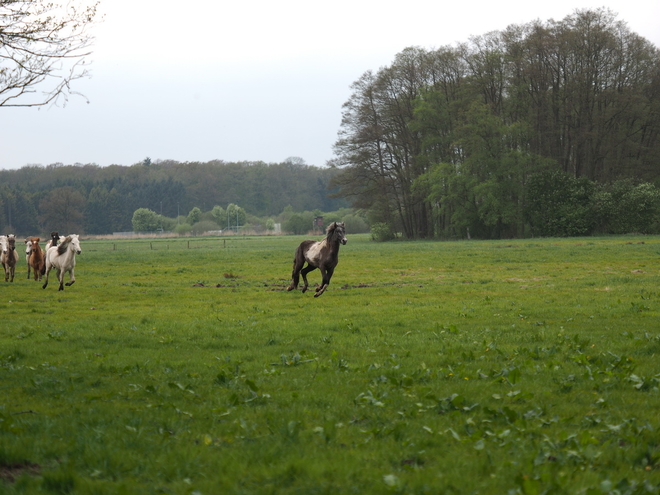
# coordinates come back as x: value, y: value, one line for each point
x: 44, y: 48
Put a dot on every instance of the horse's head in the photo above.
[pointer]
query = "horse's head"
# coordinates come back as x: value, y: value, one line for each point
x: 4, y: 245
x: 74, y: 243
x: 11, y: 241
x: 28, y: 247
x: 337, y: 232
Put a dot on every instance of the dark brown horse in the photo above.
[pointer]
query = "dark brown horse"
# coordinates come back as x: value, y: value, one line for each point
x: 323, y: 255
x: 54, y: 240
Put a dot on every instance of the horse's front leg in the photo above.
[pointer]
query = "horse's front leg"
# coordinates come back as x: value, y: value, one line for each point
x: 304, y: 273
x: 72, y: 278
x: 327, y: 275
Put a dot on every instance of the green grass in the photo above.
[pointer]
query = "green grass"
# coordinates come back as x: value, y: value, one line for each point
x: 176, y: 366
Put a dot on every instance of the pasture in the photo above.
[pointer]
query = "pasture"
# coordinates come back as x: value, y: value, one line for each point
x: 184, y: 366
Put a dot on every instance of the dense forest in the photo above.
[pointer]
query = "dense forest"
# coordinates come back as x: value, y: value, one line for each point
x: 547, y: 128
x: 100, y: 200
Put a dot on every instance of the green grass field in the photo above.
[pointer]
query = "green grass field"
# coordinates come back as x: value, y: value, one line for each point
x: 184, y: 366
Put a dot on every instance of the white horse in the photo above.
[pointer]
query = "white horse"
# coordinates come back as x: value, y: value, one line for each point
x: 63, y: 259
x: 28, y: 252
x: 8, y: 255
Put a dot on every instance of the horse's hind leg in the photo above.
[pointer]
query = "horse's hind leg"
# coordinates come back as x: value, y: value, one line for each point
x: 295, y: 276
x: 48, y: 269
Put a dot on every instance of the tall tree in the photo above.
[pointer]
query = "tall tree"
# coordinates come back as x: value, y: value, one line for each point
x: 62, y: 210
x: 379, y: 146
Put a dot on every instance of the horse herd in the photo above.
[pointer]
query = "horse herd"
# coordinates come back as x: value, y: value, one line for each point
x: 323, y: 255
x: 60, y: 253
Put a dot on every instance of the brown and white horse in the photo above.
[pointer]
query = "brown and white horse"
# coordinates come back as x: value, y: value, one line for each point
x: 35, y: 257
x: 63, y: 259
x: 323, y: 255
x: 8, y: 256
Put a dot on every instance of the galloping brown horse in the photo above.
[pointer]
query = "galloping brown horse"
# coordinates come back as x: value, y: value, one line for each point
x: 323, y: 255
x: 35, y: 257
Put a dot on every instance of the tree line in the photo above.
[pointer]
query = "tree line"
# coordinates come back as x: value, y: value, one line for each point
x: 100, y: 200
x: 470, y: 140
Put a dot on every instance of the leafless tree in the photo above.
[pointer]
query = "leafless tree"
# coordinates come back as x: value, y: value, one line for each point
x: 44, y: 47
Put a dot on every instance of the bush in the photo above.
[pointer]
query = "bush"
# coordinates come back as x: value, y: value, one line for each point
x: 559, y: 205
x: 355, y: 224
x: 624, y: 207
x: 168, y: 224
x: 183, y: 228
x: 299, y: 223
x: 194, y: 216
x: 145, y: 220
x: 382, y: 232
x: 204, y: 226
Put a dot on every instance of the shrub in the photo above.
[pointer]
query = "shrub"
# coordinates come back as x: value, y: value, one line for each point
x: 624, y: 207
x: 145, y: 220
x: 204, y: 226
x: 355, y: 224
x: 559, y: 205
x: 299, y: 223
x: 183, y: 228
x: 382, y: 232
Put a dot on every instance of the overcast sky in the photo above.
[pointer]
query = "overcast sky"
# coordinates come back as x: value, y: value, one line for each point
x: 254, y: 80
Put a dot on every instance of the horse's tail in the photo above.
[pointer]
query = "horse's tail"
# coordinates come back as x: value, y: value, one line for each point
x: 299, y: 256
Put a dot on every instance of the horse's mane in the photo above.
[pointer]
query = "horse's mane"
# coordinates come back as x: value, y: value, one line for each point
x: 331, y: 230
x: 63, y: 246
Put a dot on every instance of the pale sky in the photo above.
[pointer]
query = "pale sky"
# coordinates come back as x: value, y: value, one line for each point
x: 255, y: 80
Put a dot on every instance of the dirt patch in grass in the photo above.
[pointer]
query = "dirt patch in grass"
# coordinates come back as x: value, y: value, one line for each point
x: 9, y: 472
